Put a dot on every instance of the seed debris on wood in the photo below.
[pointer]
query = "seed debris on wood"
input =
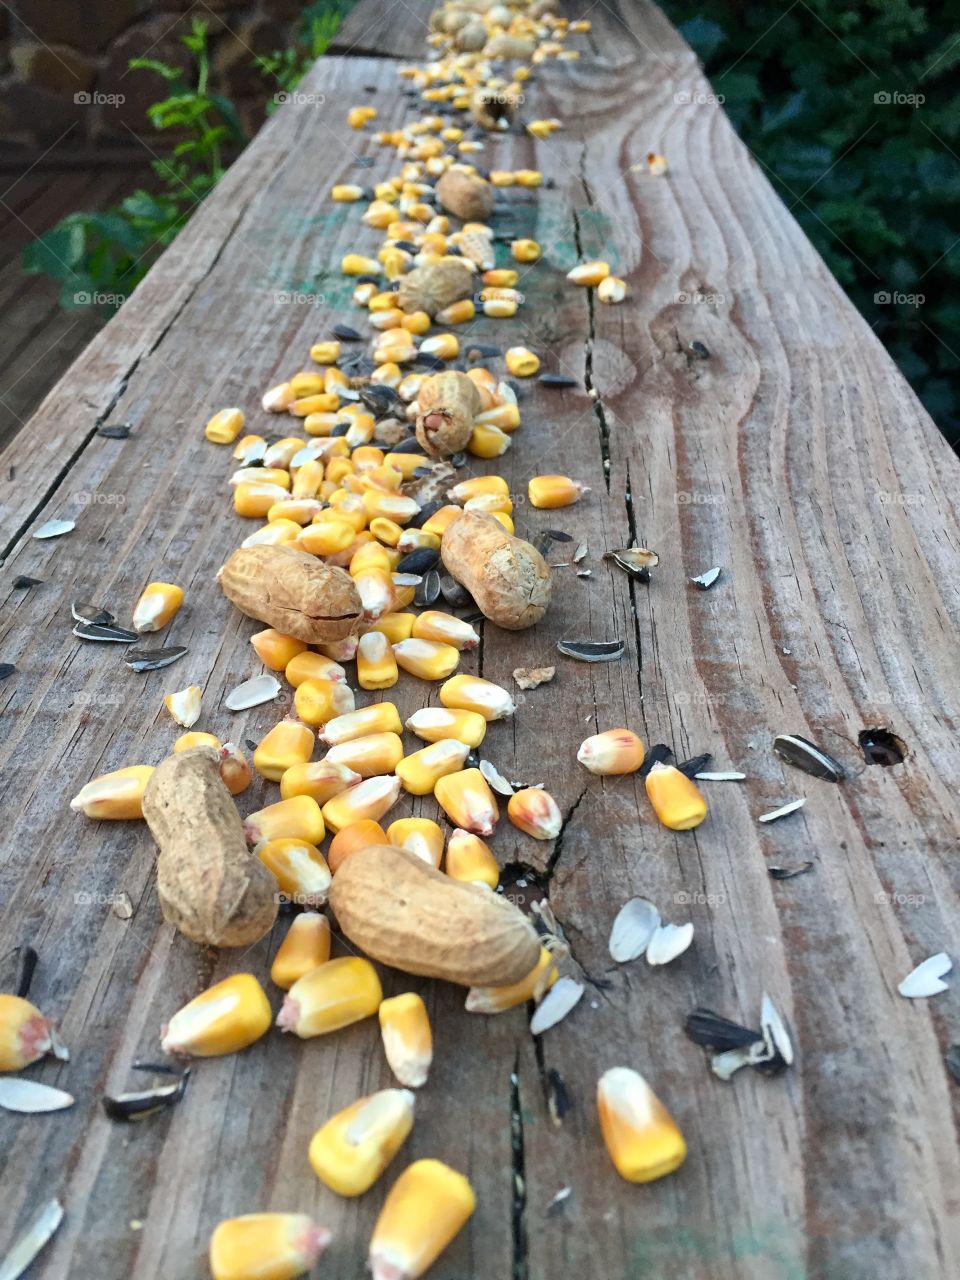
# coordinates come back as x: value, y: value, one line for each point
x: 563, y: 996
x: 791, y: 807
x: 142, y: 1103
x: 93, y: 614
x: 153, y: 659
x: 251, y: 693
x: 7, y: 669
x: 495, y: 778
x: 22, y: 581
x: 55, y: 529
x: 636, y: 562
x: 668, y: 942
x: 706, y: 580
x: 726, y: 775
x: 592, y: 650
x: 788, y: 873
x: 28, y: 1247
x: 804, y: 755
x: 115, y: 430
x: 107, y: 633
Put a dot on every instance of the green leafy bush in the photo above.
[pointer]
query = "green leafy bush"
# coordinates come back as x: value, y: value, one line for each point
x: 851, y: 110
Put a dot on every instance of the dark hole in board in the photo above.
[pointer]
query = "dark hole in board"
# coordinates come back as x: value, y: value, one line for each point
x: 880, y: 746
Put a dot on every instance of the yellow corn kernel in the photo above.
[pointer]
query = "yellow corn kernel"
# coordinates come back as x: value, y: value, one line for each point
x: 395, y: 626
x: 184, y: 706
x: 317, y: 701
x: 308, y: 384
x: 438, y: 522
x: 298, y: 818
x: 287, y: 743
x: 354, y: 1147
x: 376, y: 665
x: 320, y: 402
x: 371, y: 799
x: 470, y: 858
x: 337, y: 468
x: 426, y: 659
x: 332, y: 996
x: 319, y: 779
x: 300, y: 510
x: 369, y: 460
x: 321, y: 425
x: 414, y: 539
x: 116, y: 795
x: 407, y: 1038
x: 25, y: 1034
x: 327, y: 537
x: 490, y: 503
x: 406, y: 464
x: 274, y: 649
x: 261, y: 475
x: 355, y: 264
x: 357, y: 117
x: 276, y: 533
x: 533, y: 987
x: 347, y: 506
x: 467, y: 801
x: 417, y: 322
x: 380, y: 213
x: 157, y: 606
x: 266, y: 1246
x: 488, y: 442
x: 614, y: 751
x: 306, y: 945
x: 521, y: 362
x: 364, y: 292
x: 384, y: 530
x: 334, y: 379
x: 641, y: 1136
x: 612, y: 289
x: 546, y: 492
x: 280, y: 452
x: 542, y: 128
x: 528, y: 177
x: 386, y: 301
x: 420, y: 836
x: 354, y: 836
x: 499, y: 308
x: 312, y: 666
x: 506, y: 416
x: 252, y: 500
x: 502, y: 178
x: 424, y: 1210
x: 225, y: 1018
x: 373, y: 754
x: 421, y: 771
x: 535, y: 812
x: 382, y: 717
x: 589, y: 273
x: 502, y: 517
x: 376, y: 592
x: 187, y: 741
x: 249, y: 448
x: 445, y: 346
x: 460, y: 312
x: 471, y: 693
x: 500, y: 277
x: 434, y: 724
x: 386, y: 375
x: 371, y: 557
x: 525, y: 250
x: 676, y: 800
x: 302, y: 873
x: 234, y: 769
x: 278, y: 399
x: 478, y: 487
x: 394, y: 506
x: 224, y: 426
x: 346, y: 193
x: 324, y: 353
x: 436, y: 625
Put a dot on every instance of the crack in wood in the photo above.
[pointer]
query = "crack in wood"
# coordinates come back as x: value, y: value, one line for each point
x: 521, y: 1266
x: 599, y: 411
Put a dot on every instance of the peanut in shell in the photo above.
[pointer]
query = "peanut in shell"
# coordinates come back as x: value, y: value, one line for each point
x: 293, y: 592
x: 449, y: 402
x: 507, y: 577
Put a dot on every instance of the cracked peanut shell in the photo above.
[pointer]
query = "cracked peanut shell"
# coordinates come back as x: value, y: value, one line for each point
x: 405, y: 914
x: 293, y: 592
x: 449, y: 402
x: 507, y: 577
x: 432, y: 287
x: 465, y: 195
x: 209, y: 886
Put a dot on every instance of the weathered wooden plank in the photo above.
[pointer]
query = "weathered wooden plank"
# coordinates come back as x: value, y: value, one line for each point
x: 757, y: 458
x: 395, y: 29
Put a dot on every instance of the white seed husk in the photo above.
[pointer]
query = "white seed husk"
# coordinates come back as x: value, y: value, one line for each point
x: 17, y: 1094
x: 927, y: 978
x: 495, y: 778
x: 55, y: 528
x: 252, y: 693
x: 636, y: 923
x: 555, y: 1005
x: 728, y: 775
x: 669, y: 941
x: 32, y: 1241
x: 775, y: 1034
x: 782, y: 812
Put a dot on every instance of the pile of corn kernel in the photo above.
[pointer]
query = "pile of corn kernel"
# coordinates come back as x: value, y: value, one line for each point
x: 343, y: 491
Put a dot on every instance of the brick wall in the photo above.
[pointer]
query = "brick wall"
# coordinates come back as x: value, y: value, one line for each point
x: 64, y: 63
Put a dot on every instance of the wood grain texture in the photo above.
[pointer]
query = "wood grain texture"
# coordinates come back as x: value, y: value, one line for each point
x: 794, y: 456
